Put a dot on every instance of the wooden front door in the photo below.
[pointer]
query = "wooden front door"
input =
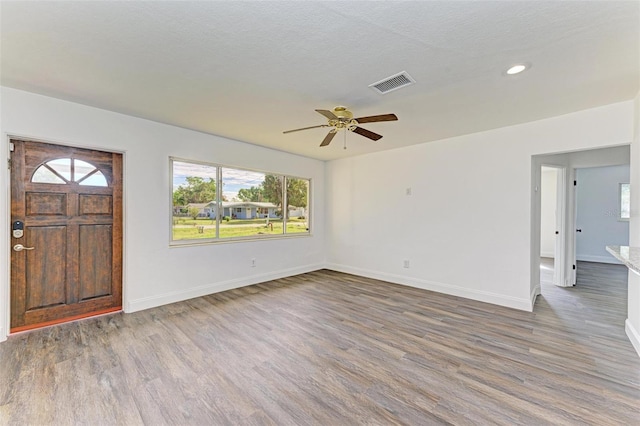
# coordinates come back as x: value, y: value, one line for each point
x: 67, y: 261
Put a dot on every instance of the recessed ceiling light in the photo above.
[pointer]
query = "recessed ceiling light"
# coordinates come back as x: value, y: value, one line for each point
x: 516, y: 69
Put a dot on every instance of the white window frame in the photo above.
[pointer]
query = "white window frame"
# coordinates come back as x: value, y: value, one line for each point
x: 217, y: 239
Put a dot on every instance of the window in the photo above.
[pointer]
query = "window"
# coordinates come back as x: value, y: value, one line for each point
x: 249, y: 205
x: 62, y: 171
x: 194, y: 201
x: 625, y: 201
x: 297, y: 200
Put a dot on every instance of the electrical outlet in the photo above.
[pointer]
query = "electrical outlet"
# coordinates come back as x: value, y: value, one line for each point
x: 406, y: 264
x: 253, y: 262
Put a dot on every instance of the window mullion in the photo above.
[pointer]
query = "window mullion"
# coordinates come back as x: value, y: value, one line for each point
x: 218, y: 199
x: 285, y: 205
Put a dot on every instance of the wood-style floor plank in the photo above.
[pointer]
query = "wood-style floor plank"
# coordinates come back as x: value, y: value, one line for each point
x: 327, y: 348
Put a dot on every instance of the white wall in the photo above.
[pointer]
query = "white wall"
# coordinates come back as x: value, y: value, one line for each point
x: 632, y: 325
x: 466, y: 228
x: 598, y: 212
x: 154, y: 273
x: 548, y: 212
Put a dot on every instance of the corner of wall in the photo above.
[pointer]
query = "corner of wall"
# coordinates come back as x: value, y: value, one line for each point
x: 521, y: 304
x: 535, y: 292
x: 632, y: 323
x: 633, y: 334
x: 5, y: 217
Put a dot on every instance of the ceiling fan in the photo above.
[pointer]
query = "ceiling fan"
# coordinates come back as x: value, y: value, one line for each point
x: 342, y: 118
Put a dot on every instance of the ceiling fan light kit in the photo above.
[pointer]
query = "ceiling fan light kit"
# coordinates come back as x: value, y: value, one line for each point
x: 341, y: 118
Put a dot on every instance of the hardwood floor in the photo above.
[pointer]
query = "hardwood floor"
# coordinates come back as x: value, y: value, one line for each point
x: 328, y: 348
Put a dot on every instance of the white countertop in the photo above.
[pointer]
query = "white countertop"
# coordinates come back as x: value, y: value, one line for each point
x: 630, y: 256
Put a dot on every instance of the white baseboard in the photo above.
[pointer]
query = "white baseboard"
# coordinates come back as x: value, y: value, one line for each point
x: 549, y: 254
x: 481, y: 296
x: 3, y: 334
x: 537, y: 291
x: 177, y: 296
x: 633, y: 335
x: 598, y: 259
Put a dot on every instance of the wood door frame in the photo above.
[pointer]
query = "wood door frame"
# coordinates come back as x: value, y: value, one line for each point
x: 5, y: 213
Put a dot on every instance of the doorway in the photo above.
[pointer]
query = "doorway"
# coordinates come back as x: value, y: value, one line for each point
x: 66, y: 233
x: 565, y: 264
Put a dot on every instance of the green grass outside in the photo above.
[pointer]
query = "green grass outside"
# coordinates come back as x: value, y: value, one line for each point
x: 177, y: 220
x: 232, y: 228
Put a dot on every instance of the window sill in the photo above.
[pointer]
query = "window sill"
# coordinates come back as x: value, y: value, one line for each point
x: 252, y: 238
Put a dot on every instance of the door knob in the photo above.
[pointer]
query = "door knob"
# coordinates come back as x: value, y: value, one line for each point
x: 20, y: 247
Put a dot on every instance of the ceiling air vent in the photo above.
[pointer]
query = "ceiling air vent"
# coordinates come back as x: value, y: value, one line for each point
x: 392, y: 83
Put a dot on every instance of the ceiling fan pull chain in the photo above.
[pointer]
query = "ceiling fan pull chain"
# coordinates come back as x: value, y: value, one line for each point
x: 345, y: 139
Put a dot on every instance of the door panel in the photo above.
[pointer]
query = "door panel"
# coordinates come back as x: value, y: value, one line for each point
x: 95, y: 258
x: 46, y: 269
x: 42, y: 204
x: 70, y: 201
x: 95, y: 204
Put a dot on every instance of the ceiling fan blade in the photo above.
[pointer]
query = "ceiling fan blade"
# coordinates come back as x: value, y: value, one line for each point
x: 327, y: 139
x: 328, y: 114
x: 305, y: 128
x: 376, y: 118
x: 367, y: 133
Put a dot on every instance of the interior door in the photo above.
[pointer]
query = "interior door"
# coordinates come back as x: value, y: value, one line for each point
x: 559, y: 252
x: 66, y: 233
x: 573, y: 217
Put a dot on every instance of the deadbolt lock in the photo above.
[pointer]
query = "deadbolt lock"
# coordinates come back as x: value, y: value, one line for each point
x: 17, y: 229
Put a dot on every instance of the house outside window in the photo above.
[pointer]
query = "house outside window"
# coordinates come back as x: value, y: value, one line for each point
x: 250, y: 204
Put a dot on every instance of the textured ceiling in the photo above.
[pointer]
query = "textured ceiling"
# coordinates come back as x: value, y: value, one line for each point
x: 249, y: 70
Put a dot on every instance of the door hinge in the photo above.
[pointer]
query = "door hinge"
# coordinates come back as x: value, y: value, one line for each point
x: 12, y: 147
x: 574, y: 267
x: 575, y: 182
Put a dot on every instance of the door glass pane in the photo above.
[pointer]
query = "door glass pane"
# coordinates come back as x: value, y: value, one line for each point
x: 297, y: 205
x: 44, y: 175
x: 62, y: 166
x: 81, y: 169
x: 194, y: 201
x: 96, y: 179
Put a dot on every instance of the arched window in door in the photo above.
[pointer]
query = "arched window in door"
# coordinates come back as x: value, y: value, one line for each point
x: 62, y: 171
